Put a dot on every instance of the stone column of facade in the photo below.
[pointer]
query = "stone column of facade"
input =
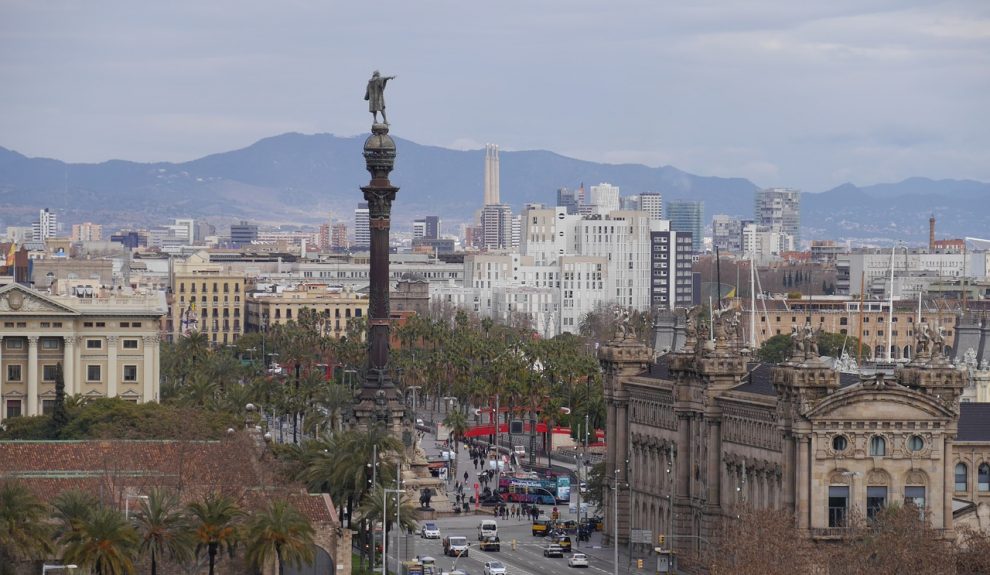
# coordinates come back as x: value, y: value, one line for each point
x: 32, y: 376
x: 948, y: 483
x: 69, y: 365
x: 3, y: 376
x: 801, y: 479
x: 714, y: 461
x: 112, y: 366
x: 150, y: 343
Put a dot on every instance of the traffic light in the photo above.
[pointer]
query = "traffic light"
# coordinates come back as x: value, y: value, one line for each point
x: 661, y: 539
x: 639, y: 564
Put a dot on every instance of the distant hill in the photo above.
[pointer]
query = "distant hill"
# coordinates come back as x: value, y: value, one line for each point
x: 296, y: 179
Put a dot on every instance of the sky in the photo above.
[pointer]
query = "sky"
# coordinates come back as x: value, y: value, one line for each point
x: 807, y: 94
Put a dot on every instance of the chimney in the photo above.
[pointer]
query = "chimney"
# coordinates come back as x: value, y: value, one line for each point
x: 931, y: 234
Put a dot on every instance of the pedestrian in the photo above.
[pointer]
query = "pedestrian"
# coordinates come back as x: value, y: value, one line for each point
x: 476, y: 464
x: 465, y: 476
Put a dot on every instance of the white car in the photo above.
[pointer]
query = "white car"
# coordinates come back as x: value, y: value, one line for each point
x: 430, y: 531
x: 494, y: 568
x: 578, y: 560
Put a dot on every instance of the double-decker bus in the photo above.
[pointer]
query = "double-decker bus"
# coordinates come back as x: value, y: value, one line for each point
x: 543, y: 490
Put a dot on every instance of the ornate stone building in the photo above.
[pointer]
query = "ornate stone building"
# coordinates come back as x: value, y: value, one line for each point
x: 701, y: 430
x: 106, y: 341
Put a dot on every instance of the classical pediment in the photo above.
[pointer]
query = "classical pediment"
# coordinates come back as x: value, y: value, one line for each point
x: 892, y: 403
x: 16, y: 299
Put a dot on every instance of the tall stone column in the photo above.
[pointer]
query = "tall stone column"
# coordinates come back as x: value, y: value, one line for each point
x: 69, y: 365
x: 948, y: 483
x: 3, y: 376
x: 150, y: 343
x: 112, y: 366
x: 32, y: 376
x: 801, y: 477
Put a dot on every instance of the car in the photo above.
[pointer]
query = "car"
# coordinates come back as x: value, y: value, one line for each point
x: 430, y: 530
x: 494, y: 568
x: 487, y: 528
x: 519, y: 450
x: 564, y: 541
x: 490, y: 544
x: 455, y: 546
x: 541, y: 527
x: 419, y: 423
x: 553, y: 550
x: 578, y: 560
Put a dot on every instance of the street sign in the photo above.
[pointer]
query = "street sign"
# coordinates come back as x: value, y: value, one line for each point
x: 641, y: 536
x: 516, y: 426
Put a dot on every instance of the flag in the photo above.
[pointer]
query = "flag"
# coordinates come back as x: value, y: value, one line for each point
x: 10, y: 254
x: 731, y: 294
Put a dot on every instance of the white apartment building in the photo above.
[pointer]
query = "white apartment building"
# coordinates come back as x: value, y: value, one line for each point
x: 623, y: 239
x: 875, y: 267
x: 46, y: 226
x: 548, y: 233
x: 606, y: 197
x: 362, y: 227
x: 763, y: 244
x: 652, y: 203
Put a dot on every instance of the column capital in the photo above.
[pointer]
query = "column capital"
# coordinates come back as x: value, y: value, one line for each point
x: 152, y: 339
x: 69, y: 340
x: 33, y: 340
x: 112, y: 339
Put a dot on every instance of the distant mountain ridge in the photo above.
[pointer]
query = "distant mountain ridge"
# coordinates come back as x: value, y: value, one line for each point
x: 297, y: 179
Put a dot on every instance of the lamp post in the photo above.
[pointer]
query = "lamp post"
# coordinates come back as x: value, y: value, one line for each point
x: 414, y: 389
x: 398, y: 505
x: 127, y: 503
x: 49, y: 567
x: 615, y: 524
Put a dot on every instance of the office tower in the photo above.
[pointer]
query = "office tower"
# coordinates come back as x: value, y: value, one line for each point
x: 727, y: 233
x: 203, y: 231
x: 568, y: 199
x: 606, y: 197
x: 419, y: 229
x: 46, y: 226
x: 243, y: 234
x: 652, y: 203
x: 780, y: 210
x: 492, y: 195
x: 629, y: 203
x: 671, y: 257
x: 323, y: 241
x: 687, y: 216
x: 496, y: 223
x: 87, y: 232
x: 516, y: 231
x: 185, y: 229
x: 338, y: 236
x: 432, y: 227
x: 362, y: 227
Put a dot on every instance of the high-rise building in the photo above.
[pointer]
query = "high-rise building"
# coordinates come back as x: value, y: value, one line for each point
x: 419, y: 229
x: 496, y: 223
x: 87, y: 232
x: 338, y: 236
x: 46, y: 226
x: 492, y: 195
x: 652, y: 203
x: 763, y: 242
x: 323, y: 241
x: 687, y: 217
x: 623, y: 239
x: 780, y: 210
x: 672, y: 284
x: 243, y: 234
x: 606, y: 197
x: 568, y: 199
x: 185, y: 229
x: 727, y: 233
x: 432, y: 227
x: 362, y: 227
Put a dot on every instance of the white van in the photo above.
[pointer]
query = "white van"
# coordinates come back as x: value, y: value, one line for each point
x: 487, y: 528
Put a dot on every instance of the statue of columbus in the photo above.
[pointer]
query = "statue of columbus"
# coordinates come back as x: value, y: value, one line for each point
x: 375, y: 95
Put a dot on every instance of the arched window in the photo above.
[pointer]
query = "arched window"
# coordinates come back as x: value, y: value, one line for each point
x: 879, y: 352
x: 983, y: 477
x: 907, y: 351
x: 878, y: 446
x: 962, y: 481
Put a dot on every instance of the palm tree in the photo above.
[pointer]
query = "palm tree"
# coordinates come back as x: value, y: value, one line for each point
x: 215, y: 522
x: 104, y: 542
x: 73, y: 508
x: 374, y: 505
x: 24, y: 530
x: 279, y: 533
x: 163, y: 528
x: 457, y: 422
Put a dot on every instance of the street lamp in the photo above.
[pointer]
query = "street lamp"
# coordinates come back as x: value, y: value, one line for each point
x: 615, y: 524
x: 127, y: 503
x: 47, y: 567
x: 414, y: 389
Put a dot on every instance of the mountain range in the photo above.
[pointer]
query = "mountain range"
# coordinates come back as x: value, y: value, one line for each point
x: 299, y: 179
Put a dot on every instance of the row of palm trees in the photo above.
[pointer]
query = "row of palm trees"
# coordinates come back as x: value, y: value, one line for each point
x: 100, y: 539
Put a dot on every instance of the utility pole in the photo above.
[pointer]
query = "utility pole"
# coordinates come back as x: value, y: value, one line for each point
x: 615, y: 524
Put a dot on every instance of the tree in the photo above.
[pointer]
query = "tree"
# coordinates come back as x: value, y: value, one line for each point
x: 374, y: 505
x: 73, y: 509
x: 777, y: 349
x: 215, y: 520
x: 104, y: 542
x: 279, y: 533
x: 973, y: 552
x: 832, y: 344
x: 163, y: 529
x: 24, y: 530
x: 457, y: 422
x: 596, y: 485
x: 761, y: 542
x: 59, y: 415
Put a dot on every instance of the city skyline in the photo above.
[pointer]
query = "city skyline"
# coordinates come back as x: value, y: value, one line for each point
x: 861, y: 92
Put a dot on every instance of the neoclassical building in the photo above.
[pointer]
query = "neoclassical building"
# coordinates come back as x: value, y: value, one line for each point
x: 695, y: 432
x: 106, y: 341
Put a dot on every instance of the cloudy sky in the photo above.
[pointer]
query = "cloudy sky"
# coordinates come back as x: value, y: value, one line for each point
x: 800, y: 93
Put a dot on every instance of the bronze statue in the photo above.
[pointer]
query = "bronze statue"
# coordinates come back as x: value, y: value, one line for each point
x: 375, y: 95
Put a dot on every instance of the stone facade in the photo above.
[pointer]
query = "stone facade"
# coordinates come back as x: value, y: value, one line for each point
x: 702, y: 430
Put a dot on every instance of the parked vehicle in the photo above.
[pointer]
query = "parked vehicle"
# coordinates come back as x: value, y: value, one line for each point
x: 553, y: 550
x: 578, y: 560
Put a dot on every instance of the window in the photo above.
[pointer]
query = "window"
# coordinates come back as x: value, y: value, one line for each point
x: 125, y: 324
x: 101, y: 324
x: 47, y: 406
x: 48, y: 372
x: 915, y: 495
x: 838, y: 505
x: 130, y: 373
x: 135, y: 324
x: 876, y: 499
x: 878, y: 446
x: 14, y: 343
x: 49, y: 343
x: 130, y: 344
x: 839, y: 443
x: 13, y: 373
x: 92, y: 373
x: 13, y: 408
x: 916, y: 443
x: 87, y: 324
x: 94, y: 344
x: 962, y: 481
x: 983, y: 477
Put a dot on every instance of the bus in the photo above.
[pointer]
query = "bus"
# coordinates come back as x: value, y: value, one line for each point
x: 542, y: 491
